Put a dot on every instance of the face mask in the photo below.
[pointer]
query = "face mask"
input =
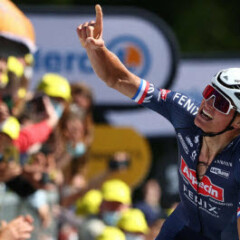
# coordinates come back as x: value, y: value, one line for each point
x: 58, y: 107
x: 78, y: 150
x: 28, y: 72
x: 130, y: 236
x: 111, y: 218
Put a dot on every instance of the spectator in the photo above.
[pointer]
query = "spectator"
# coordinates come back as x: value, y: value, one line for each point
x: 150, y: 205
x: 116, y: 199
x: 20, y: 42
x: 111, y: 233
x: 74, y: 155
x: 9, y: 156
x: 133, y: 223
x: 35, y: 133
x: 12, y: 172
x: 88, y: 207
x: 14, y: 82
x: 89, y: 204
x: 10, y: 81
x: 23, y: 92
x: 119, y: 161
x: 83, y: 218
x: 57, y: 88
x: 82, y: 96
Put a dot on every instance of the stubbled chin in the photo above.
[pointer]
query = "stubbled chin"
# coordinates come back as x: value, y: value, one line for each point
x: 199, y: 121
x: 196, y: 121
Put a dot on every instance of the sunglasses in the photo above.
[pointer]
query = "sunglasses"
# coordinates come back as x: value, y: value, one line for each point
x: 221, y: 103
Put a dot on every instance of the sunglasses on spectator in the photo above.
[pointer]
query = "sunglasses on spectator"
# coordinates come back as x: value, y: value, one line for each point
x: 221, y: 103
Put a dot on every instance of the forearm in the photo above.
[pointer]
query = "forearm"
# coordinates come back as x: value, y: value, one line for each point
x: 109, y: 68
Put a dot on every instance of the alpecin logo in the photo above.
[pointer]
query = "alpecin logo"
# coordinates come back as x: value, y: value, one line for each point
x: 205, y: 187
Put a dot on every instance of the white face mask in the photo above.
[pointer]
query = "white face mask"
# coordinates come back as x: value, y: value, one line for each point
x: 28, y: 72
x: 58, y: 107
x: 111, y: 217
x: 78, y: 150
x: 131, y: 236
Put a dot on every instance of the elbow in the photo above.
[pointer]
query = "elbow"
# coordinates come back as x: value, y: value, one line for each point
x: 116, y: 81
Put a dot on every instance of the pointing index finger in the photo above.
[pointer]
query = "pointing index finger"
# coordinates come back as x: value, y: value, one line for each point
x: 99, y: 20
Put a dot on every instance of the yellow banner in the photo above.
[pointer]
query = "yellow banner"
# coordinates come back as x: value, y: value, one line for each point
x: 109, y: 140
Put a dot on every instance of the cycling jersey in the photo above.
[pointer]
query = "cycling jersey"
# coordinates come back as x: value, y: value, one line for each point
x: 208, y: 208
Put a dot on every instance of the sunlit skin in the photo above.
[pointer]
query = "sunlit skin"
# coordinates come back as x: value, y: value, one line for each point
x: 219, y: 120
x: 112, y: 206
x: 82, y: 101
x: 74, y: 130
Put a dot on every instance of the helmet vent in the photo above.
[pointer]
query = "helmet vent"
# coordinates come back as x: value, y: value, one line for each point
x: 237, y: 95
x: 233, y: 86
x: 226, y: 78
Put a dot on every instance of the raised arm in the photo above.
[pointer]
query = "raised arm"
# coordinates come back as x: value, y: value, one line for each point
x: 105, y: 63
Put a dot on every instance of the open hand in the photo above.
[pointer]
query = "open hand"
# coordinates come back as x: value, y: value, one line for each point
x: 19, y: 228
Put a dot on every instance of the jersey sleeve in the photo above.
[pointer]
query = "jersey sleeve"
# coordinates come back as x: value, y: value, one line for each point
x: 238, y: 209
x: 178, y: 108
x: 238, y: 206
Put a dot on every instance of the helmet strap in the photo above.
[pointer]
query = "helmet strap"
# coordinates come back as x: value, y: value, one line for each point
x: 228, y: 128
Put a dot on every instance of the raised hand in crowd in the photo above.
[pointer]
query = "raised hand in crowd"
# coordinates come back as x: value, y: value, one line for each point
x: 42, y: 172
x: 19, y: 228
x: 52, y: 117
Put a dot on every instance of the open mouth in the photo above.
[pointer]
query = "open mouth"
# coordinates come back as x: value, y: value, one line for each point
x: 205, y: 115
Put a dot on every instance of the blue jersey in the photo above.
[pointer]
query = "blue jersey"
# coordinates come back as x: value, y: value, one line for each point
x: 208, y: 207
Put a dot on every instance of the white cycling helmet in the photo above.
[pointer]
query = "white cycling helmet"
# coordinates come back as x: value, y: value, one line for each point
x: 228, y: 82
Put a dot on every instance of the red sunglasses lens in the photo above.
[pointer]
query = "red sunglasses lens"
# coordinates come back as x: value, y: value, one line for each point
x: 208, y: 92
x: 220, y: 102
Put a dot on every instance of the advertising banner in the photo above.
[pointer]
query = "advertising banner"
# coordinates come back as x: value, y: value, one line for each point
x: 142, y: 41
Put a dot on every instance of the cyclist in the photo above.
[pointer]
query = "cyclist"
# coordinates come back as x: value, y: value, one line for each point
x: 207, y: 134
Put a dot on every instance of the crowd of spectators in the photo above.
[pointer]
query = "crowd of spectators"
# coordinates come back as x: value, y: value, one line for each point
x: 45, y: 145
